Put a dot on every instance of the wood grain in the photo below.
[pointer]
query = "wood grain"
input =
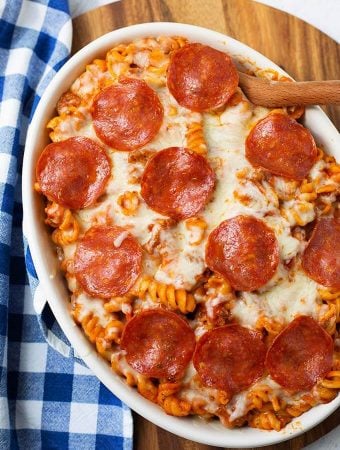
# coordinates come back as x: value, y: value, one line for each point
x: 300, y: 49
x: 264, y: 92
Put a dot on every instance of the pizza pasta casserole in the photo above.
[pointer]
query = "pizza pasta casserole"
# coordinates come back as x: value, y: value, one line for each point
x: 199, y: 234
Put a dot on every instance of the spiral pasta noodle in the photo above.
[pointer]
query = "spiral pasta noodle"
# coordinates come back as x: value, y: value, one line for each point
x: 68, y: 230
x: 218, y: 285
x: 261, y: 396
x: 195, y: 138
x: 129, y: 202
x: 54, y: 214
x: 121, y: 59
x: 117, y: 304
x: 332, y: 380
x: 177, y: 299
x: 266, y: 420
x: 103, y: 336
x: 67, y: 227
x: 167, y: 389
x: 144, y: 385
x: 93, y: 330
x: 330, y: 297
x: 176, y: 407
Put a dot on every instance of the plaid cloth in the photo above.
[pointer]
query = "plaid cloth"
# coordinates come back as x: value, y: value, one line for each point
x: 47, y: 400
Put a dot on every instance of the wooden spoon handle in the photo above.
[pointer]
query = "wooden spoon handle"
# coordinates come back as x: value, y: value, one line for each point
x: 278, y: 93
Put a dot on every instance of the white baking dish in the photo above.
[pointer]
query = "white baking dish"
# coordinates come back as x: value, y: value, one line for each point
x: 46, y: 262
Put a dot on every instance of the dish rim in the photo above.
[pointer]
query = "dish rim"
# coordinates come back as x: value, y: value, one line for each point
x: 46, y: 264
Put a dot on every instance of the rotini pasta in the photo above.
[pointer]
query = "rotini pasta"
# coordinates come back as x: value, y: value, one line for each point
x: 177, y: 299
x: 331, y: 318
x: 332, y: 380
x: 68, y: 230
x: 175, y: 407
x: 129, y: 202
x: 197, y: 226
x: 266, y: 420
x: 195, y: 138
x: 67, y: 227
x: 144, y: 385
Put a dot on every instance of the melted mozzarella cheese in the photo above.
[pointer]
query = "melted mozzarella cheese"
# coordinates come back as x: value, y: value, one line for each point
x: 69, y: 250
x: 288, y: 245
x: 211, y: 304
x: 194, y: 391
x: 247, y: 309
x: 91, y: 306
x: 298, y: 212
x: 238, y: 406
x: 291, y: 297
x: 175, y: 123
x: 318, y: 174
x: 120, y: 239
x: 295, y: 294
x: 123, y: 366
x: 182, y: 261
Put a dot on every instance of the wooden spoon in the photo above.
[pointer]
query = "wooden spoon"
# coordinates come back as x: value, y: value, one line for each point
x: 281, y: 93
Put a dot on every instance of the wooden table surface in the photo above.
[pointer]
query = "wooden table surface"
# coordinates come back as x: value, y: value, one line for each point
x: 300, y: 49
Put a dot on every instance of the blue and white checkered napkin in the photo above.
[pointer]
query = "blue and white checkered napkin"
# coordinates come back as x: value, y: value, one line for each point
x: 47, y: 400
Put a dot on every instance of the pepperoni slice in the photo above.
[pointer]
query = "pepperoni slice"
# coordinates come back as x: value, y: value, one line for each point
x: 107, y: 261
x: 128, y: 115
x: 244, y: 251
x: 74, y: 172
x: 177, y: 183
x: 300, y: 355
x: 230, y: 358
x: 321, y: 258
x: 201, y: 78
x: 281, y: 145
x: 158, y: 343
